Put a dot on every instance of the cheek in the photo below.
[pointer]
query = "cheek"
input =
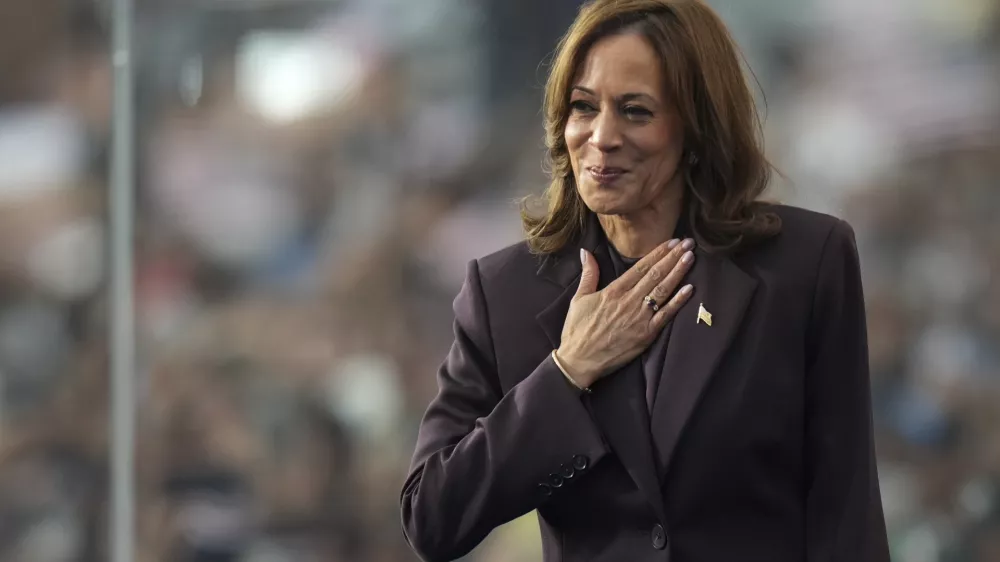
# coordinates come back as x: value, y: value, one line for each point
x: 665, y: 166
x: 575, y: 136
x: 663, y: 147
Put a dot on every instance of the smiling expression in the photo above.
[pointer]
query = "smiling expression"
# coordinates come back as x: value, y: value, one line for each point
x: 624, y: 139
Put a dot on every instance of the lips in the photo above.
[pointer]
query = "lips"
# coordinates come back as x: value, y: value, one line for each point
x: 605, y: 174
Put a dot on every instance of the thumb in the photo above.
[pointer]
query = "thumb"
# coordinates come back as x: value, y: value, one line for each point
x: 588, y: 280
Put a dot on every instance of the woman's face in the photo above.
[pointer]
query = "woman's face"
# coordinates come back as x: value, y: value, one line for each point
x: 624, y: 138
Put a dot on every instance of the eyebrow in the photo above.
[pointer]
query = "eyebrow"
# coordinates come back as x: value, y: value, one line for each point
x: 624, y: 97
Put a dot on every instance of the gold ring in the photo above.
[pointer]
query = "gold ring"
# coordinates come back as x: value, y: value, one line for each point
x: 651, y: 302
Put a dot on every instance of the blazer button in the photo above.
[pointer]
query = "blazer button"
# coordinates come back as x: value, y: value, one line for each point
x: 567, y: 471
x: 556, y: 481
x: 659, y: 537
x: 581, y: 462
x: 544, y: 490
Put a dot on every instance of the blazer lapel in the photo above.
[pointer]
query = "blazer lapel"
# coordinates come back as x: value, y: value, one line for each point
x: 618, y: 402
x: 695, y: 348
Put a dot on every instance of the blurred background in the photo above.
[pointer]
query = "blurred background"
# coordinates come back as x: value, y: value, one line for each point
x: 313, y: 176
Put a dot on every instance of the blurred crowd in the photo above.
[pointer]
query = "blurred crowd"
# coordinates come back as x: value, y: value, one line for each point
x: 313, y: 176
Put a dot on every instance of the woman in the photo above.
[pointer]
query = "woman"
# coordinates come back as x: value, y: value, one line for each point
x: 694, y: 386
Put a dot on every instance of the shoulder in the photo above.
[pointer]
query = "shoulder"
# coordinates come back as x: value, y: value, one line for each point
x: 509, y: 291
x: 799, y: 222
x: 803, y: 230
x: 810, y: 244
x: 511, y: 261
x: 511, y: 274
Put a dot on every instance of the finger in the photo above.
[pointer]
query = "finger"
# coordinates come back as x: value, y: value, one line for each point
x: 666, y: 268
x: 669, y: 310
x: 662, y: 291
x: 590, y: 275
x: 635, y: 273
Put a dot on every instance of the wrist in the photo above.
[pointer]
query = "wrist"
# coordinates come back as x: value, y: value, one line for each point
x: 572, y: 375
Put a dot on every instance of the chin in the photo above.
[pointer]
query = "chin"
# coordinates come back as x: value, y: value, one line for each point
x: 605, y: 209
x: 605, y: 201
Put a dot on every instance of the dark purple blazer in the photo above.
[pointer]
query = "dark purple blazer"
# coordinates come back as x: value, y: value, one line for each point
x: 762, y: 420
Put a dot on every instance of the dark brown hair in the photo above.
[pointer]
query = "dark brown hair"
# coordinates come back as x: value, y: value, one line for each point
x: 706, y: 84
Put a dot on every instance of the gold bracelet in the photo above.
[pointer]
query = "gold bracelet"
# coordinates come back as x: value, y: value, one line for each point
x: 565, y: 373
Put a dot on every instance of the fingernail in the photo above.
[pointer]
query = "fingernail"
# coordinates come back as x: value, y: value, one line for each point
x: 688, y: 244
x: 687, y: 289
x: 673, y: 244
x: 583, y: 256
x: 688, y: 257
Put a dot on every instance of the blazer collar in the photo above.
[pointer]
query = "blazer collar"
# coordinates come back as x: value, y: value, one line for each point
x: 695, y: 350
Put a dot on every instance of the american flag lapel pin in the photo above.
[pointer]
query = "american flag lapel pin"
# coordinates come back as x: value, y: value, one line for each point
x: 704, y: 315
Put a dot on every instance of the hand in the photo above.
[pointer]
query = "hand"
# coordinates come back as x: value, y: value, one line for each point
x: 606, y: 329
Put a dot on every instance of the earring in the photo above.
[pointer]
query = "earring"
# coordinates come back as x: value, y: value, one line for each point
x: 692, y: 158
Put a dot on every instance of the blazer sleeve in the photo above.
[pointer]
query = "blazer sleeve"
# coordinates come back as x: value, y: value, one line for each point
x: 481, y: 456
x: 844, y: 517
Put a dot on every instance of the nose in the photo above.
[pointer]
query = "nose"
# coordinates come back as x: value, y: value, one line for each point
x: 606, y: 135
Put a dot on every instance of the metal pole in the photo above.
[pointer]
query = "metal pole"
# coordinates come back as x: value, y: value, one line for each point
x: 121, y: 538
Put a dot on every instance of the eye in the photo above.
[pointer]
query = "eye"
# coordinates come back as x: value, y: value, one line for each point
x: 637, y: 111
x: 580, y: 106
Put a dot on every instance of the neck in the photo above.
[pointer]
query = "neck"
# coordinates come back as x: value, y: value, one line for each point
x: 636, y: 234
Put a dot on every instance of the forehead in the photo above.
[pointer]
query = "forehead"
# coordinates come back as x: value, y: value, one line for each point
x: 621, y: 63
